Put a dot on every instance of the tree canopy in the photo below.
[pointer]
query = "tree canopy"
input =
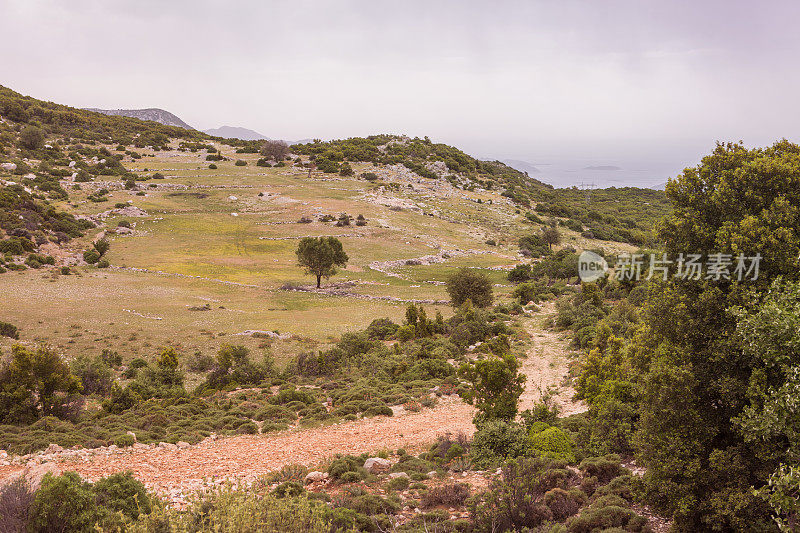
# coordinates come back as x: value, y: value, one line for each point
x: 320, y: 256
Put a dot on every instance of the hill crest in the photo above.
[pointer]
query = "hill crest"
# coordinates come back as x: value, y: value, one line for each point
x: 152, y: 113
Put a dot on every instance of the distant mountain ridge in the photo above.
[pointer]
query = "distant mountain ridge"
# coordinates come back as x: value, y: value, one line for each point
x: 153, y: 113
x: 235, y: 132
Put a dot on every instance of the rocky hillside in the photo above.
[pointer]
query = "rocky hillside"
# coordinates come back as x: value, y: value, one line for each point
x: 156, y: 115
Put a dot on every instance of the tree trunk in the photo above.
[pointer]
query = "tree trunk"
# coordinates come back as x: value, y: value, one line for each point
x: 318, y: 280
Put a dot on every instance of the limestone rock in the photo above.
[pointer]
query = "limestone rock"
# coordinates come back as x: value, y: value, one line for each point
x: 314, y: 477
x: 9, y: 167
x: 53, y: 448
x: 376, y: 465
x: 395, y: 475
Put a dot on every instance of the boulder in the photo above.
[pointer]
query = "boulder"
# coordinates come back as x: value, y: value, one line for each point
x: 9, y: 167
x: 53, y: 448
x: 395, y: 475
x: 182, y: 444
x: 376, y: 465
x: 314, y: 477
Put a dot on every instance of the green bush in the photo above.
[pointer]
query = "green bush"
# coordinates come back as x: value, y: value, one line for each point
x: 9, y: 330
x: 552, y: 443
x: 603, y: 468
x: 379, y: 410
x: 398, y: 483
x: 605, y: 518
x: 564, y: 503
x: 94, y: 373
x: 497, y: 440
x: 469, y: 285
x: 124, y: 441
x: 275, y: 413
x: 240, y: 163
x: 348, y: 463
x: 64, y: 503
x: 123, y: 493
x: 91, y: 256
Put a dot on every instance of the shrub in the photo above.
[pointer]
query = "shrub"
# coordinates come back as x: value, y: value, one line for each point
x: 520, y: 273
x: 16, y: 498
x: 64, y: 503
x: 123, y: 493
x: 622, y: 487
x: 605, y: 518
x: 111, y: 358
x: 212, y: 166
x: 469, y: 285
x: 379, y: 410
x: 552, y: 443
x: 563, y: 503
x: 102, y: 246
x: 603, y: 468
x: 514, y: 502
x: 346, y: 169
x: 496, y: 441
x: 381, y: 328
x: 94, y: 373
x: 124, y: 441
x: 240, y: 163
x: 344, y: 464
x: 9, y: 330
x: 450, y: 494
x: 398, y: 483
x: 288, y: 488
x: 369, y: 176
x: 91, y: 256
x: 275, y: 413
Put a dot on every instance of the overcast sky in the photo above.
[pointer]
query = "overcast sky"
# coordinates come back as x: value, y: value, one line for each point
x: 564, y: 85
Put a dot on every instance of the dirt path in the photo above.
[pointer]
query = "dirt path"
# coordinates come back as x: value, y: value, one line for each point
x: 179, y: 471
x: 547, y: 365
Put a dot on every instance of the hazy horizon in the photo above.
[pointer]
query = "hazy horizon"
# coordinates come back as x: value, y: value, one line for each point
x: 641, y: 86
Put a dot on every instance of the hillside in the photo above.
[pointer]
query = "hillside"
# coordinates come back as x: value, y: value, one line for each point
x: 200, y: 338
x: 154, y: 114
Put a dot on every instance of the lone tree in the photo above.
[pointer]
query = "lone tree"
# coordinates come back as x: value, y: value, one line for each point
x: 31, y: 137
x: 320, y: 256
x: 469, y: 285
x: 494, y: 386
x: 551, y: 236
x: 276, y: 150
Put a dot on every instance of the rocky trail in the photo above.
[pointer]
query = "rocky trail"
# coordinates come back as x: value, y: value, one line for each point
x: 177, y: 471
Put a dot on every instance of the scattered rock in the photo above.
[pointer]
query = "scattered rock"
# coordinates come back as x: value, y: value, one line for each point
x: 182, y: 444
x: 53, y: 448
x: 9, y: 167
x: 395, y: 475
x: 376, y: 465
x: 314, y: 477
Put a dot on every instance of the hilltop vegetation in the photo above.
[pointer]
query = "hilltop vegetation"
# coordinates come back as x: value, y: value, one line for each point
x: 82, y: 125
